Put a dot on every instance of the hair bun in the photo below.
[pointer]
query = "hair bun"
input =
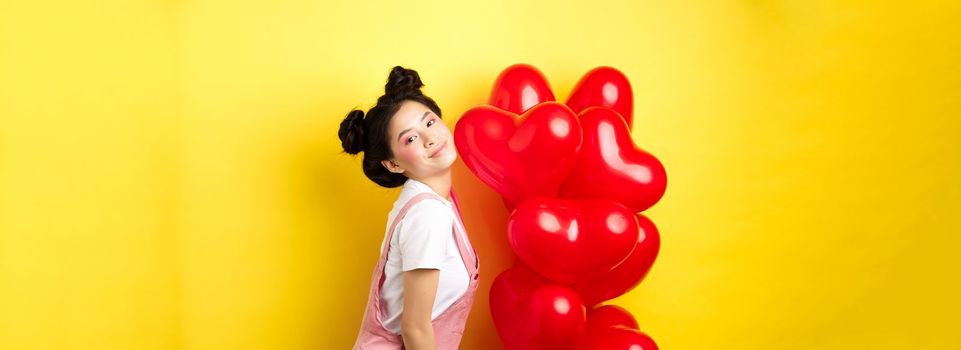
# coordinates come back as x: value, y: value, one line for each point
x: 352, y: 132
x: 402, y: 79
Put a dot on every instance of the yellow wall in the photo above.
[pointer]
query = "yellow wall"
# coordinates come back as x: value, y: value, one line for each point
x: 170, y: 176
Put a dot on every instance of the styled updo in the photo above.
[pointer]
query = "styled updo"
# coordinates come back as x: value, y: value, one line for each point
x: 369, y: 134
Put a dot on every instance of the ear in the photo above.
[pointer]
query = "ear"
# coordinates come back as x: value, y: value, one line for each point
x: 392, y: 167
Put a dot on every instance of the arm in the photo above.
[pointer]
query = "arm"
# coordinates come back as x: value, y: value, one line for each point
x: 420, y: 288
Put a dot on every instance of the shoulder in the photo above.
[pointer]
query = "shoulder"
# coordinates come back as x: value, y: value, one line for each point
x: 429, y: 201
x: 429, y: 210
x: 426, y: 227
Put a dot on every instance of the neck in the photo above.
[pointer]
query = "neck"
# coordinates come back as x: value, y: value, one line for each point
x: 440, y: 183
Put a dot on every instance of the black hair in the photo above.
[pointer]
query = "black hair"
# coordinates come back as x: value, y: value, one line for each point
x: 369, y: 134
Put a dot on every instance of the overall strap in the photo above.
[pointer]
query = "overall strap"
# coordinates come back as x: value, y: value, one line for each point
x: 461, y: 243
x: 379, y: 270
x: 453, y: 198
x: 400, y: 215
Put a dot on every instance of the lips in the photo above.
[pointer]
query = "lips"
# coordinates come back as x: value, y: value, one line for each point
x: 438, y: 150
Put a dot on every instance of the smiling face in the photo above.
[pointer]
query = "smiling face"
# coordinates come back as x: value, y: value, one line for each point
x: 421, y: 142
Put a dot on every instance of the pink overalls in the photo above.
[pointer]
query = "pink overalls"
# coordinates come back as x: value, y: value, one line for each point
x: 448, y: 326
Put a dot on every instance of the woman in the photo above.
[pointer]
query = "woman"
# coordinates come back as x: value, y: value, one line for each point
x: 423, y: 285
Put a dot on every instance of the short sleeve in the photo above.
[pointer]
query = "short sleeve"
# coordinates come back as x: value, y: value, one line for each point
x: 424, y: 235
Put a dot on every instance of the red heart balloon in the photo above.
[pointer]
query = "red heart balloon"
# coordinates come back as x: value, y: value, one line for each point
x: 629, y: 273
x: 568, y: 240
x: 519, y: 157
x: 530, y: 313
x: 613, y: 327
x: 520, y: 87
x: 609, y: 166
x: 605, y: 87
x: 616, y: 338
x: 609, y: 316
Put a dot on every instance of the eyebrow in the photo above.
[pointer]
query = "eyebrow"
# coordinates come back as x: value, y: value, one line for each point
x: 408, y: 129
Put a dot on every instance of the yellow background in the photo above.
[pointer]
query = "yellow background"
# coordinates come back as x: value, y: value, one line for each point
x: 170, y: 176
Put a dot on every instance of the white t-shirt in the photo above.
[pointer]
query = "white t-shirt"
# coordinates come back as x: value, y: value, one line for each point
x: 422, y: 239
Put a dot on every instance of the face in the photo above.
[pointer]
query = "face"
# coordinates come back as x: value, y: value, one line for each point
x: 421, y: 142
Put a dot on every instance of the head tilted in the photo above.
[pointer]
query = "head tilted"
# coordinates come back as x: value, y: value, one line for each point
x: 369, y: 134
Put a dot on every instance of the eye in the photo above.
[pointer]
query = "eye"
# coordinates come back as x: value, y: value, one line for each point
x: 431, y: 122
x: 410, y: 139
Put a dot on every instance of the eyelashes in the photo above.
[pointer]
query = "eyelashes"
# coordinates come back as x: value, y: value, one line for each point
x: 412, y: 137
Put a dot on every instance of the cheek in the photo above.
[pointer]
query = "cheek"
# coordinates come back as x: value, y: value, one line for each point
x: 444, y: 131
x: 407, y: 154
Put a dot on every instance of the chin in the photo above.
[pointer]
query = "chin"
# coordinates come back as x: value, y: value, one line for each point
x: 448, y: 165
x: 447, y: 161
